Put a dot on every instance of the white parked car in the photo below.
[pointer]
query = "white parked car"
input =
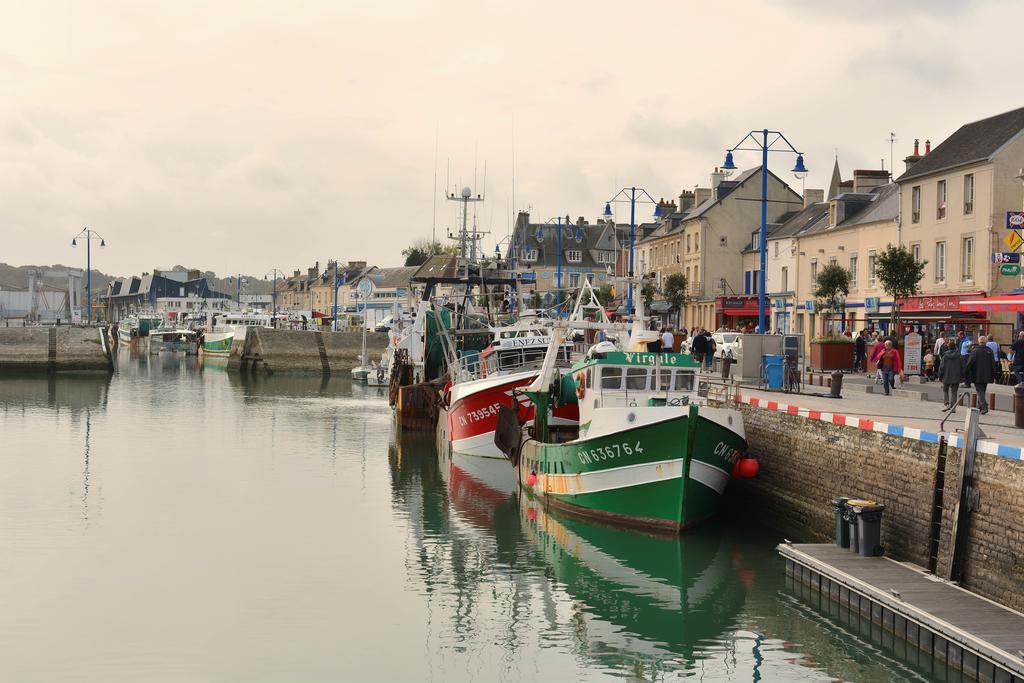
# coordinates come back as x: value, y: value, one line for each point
x: 728, y: 344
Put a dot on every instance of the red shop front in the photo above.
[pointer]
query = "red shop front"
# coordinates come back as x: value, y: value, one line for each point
x: 737, y: 312
x: 930, y: 314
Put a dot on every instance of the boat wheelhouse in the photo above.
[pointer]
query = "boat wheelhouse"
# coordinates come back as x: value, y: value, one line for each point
x: 238, y: 323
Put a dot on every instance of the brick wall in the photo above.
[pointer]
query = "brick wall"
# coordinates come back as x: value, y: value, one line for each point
x: 299, y: 351
x: 805, y: 463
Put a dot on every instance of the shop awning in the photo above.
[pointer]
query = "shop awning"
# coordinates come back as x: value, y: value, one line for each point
x: 660, y: 307
x: 1006, y: 303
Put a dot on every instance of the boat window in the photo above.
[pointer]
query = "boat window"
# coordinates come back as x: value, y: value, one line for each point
x: 590, y: 377
x: 636, y: 379
x: 535, y: 355
x: 611, y: 378
x: 665, y: 380
x: 509, y: 360
x: 684, y: 381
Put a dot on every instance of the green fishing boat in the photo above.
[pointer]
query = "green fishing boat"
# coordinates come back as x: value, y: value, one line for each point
x: 218, y: 343
x: 648, y: 451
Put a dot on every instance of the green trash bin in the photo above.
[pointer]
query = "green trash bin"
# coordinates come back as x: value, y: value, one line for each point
x: 868, y: 517
x: 842, y: 527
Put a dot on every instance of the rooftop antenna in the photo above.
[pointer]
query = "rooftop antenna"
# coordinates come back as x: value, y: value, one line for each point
x: 892, y: 142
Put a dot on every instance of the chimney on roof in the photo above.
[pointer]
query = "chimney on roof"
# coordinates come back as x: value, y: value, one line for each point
x: 685, y: 200
x: 927, y: 147
x: 868, y: 180
x: 717, y: 176
x: 701, y: 195
x: 297, y: 271
x: 913, y: 158
x: 581, y: 221
x: 813, y: 197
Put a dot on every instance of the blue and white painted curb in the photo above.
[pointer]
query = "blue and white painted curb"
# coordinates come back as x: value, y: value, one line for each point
x: 953, y: 439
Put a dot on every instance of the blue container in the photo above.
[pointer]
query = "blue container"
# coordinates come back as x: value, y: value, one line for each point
x: 773, y: 370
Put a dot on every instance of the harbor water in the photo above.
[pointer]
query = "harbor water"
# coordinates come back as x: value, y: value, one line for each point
x: 176, y: 522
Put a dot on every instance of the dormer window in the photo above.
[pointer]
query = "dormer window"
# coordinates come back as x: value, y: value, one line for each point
x: 573, y: 255
x: 755, y: 240
x: 529, y: 254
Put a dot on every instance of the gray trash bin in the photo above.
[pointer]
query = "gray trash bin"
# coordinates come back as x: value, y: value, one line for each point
x: 842, y: 527
x: 868, y: 516
x: 851, y: 528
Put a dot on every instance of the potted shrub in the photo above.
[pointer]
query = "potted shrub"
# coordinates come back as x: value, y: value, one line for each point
x: 833, y: 350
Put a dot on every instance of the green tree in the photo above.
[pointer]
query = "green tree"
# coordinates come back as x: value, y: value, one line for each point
x: 900, y: 276
x: 605, y: 295
x: 674, y: 288
x: 419, y: 251
x: 647, y: 291
x: 831, y: 288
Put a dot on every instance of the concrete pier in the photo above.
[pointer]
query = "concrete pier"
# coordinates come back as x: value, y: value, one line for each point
x: 53, y: 349
x: 301, y: 351
x: 958, y: 629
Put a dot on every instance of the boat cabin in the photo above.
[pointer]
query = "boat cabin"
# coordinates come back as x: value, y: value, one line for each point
x: 618, y: 378
x: 512, y: 354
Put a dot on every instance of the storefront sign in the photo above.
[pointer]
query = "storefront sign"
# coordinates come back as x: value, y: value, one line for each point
x: 733, y: 303
x: 1014, y: 240
x: 941, y: 302
x: 1009, y: 269
x: 871, y: 304
x: 527, y: 277
x: 1015, y: 220
x: 912, y: 354
x: 1005, y: 257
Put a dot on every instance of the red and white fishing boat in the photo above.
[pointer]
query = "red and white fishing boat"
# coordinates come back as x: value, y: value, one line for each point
x: 513, y: 359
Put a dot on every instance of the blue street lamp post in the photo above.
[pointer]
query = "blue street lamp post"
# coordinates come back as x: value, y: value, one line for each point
x: 89, y: 236
x: 275, y: 273
x: 759, y: 138
x: 338, y: 281
x: 557, y: 223
x: 632, y: 227
x: 239, y: 281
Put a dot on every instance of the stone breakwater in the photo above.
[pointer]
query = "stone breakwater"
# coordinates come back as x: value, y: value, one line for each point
x: 301, y: 351
x: 53, y: 349
x: 806, y: 462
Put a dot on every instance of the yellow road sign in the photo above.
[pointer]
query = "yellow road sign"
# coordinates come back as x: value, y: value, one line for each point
x: 1014, y: 240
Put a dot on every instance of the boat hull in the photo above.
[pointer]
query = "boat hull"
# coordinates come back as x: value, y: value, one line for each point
x: 473, y: 414
x: 645, y: 476
x: 218, y: 343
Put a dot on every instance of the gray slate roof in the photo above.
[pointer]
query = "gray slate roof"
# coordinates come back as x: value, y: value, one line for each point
x: 971, y: 143
x: 592, y: 239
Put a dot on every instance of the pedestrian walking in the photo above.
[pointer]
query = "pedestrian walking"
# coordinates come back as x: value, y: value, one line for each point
x: 668, y: 341
x: 860, y: 356
x: 950, y: 374
x: 890, y: 363
x: 709, y: 356
x: 981, y: 370
x: 1017, y: 363
x: 699, y: 346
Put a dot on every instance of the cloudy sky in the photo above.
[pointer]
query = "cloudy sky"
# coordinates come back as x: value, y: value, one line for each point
x: 244, y: 136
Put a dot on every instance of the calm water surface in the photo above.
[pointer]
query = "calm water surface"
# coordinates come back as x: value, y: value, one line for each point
x: 179, y: 523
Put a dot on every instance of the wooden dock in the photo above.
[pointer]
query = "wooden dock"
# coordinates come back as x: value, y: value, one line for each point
x: 971, y: 634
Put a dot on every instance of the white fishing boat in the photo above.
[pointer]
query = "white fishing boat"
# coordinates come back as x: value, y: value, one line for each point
x: 174, y: 340
x: 137, y: 326
x: 237, y: 324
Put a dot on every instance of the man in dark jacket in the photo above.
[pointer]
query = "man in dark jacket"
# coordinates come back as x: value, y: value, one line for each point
x: 860, y: 358
x: 981, y: 370
x: 699, y: 346
x: 1018, y: 357
x: 950, y: 374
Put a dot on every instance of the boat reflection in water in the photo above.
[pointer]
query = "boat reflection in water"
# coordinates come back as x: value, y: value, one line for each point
x: 633, y: 601
x: 644, y: 598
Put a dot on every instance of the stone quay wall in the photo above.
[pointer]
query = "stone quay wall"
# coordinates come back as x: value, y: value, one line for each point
x: 806, y: 462
x: 300, y: 351
x: 75, y: 349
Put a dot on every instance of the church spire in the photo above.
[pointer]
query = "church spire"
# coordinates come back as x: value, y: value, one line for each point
x: 837, y: 179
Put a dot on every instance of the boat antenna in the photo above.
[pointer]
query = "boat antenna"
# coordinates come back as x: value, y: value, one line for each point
x: 433, y: 218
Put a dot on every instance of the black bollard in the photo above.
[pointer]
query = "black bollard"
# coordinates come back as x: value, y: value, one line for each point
x: 837, y: 384
x: 1018, y: 406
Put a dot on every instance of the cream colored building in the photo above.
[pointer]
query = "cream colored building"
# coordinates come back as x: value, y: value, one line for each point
x: 707, y: 243
x: 856, y: 228
x: 953, y: 204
